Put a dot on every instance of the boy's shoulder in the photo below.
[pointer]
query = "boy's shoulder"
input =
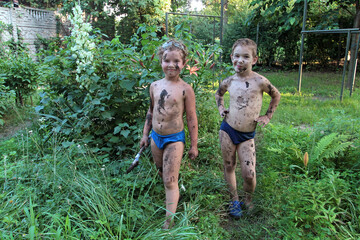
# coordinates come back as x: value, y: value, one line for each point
x: 229, y: 79
x: 157, y: 82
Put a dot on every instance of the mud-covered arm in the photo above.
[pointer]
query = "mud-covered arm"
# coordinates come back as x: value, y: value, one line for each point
x: 192, y: 121
x: 275, y: 99
x: 148, y: 122
x: 219, y: 97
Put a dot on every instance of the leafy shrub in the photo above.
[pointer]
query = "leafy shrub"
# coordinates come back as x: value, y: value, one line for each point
x: 6, y: 97
x: 321, y: 209
x: 104, y: 101
x: 287, y: 146
x: 20, y: 73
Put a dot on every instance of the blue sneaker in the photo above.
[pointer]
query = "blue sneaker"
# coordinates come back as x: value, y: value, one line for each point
x: 235, y: 209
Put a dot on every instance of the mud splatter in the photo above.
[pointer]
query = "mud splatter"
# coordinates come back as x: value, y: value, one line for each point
x: 170, y: 179
x: 219, y: 102
x: 269, y: 110
x: 247, y: 84
x: 247, y: 163
x: 183, y: 92
x: 242, y: 103
x: 161, y: 101
x: 177, y: 67
x: 271, y: 90
x: 149, y: 119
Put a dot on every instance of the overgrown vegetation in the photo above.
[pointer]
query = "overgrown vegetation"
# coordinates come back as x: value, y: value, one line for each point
x: 60, y: 189
x: 63, y: 176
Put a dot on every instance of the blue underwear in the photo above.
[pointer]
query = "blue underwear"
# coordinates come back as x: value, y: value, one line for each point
x: 236, y: 136
x: 162, y: 140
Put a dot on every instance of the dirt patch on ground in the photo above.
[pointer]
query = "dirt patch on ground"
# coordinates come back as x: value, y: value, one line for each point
x: 8, y: 130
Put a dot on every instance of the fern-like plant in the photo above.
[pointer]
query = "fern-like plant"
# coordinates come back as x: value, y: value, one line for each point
x: 329, y: 146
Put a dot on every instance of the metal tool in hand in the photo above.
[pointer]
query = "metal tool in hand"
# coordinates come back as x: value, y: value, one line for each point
x: 136, y: 160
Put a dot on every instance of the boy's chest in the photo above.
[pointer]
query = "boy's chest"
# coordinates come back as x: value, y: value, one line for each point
x: 169, y: 97
x: 244, y: 89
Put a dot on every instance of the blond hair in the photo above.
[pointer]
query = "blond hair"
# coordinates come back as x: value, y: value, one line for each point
x: 172, y: 45
x: 246, y: 42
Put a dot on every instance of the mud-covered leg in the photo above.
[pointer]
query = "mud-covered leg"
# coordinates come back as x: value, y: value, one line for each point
x: 228, y: 150
x: 247, y: 158
x: 171, y: 165
x: 157, y: 155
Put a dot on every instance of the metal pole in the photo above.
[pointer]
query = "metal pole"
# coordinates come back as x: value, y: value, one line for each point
x: 302, y: 47
x: 222, y: 23
x: 257, y: 34
x: 214, y: 32
x: 166, y: 24
x: 356, y: 52
x: 345, y: 64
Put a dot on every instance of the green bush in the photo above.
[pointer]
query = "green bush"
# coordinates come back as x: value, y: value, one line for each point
x: 6, y: 98
x: 20, y: 73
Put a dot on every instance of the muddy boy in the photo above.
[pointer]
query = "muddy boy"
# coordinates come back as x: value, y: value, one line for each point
x: 170, y: 98
x: 237, y: 130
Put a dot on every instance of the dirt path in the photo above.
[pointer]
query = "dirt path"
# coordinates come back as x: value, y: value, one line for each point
x: 8, y: 130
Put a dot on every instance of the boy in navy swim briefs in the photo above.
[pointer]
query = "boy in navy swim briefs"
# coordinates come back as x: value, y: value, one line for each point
x: 170, y: 98
x: 237, y: 130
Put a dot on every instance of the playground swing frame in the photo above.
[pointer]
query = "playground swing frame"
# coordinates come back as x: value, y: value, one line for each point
x: 194, y: 15
x: 349, y: 32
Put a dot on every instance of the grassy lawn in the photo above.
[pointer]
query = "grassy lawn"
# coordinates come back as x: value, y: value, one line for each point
x: 54, y: 189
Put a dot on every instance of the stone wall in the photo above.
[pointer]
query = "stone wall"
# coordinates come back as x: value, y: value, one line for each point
x: 31, y: 22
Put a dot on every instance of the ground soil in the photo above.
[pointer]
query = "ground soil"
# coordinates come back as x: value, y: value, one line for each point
x: 9, y: 130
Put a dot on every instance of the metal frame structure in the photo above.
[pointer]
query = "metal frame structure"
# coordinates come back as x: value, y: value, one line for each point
x: 199, y: 15
x: 195, y: 15
x: 349, y: 31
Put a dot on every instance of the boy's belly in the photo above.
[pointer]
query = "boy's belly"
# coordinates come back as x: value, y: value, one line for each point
x: 243, y: 121
x: 163, y: 126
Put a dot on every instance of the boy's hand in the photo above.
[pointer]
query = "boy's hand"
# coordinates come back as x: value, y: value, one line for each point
x: 263, y: 120
x: 193, y: 153
x: 224, y: 112
x: 144, y: 141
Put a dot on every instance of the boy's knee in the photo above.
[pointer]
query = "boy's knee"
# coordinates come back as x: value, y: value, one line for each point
x: 229, y: 166
x: 250, y: 177
x: 170, y: 182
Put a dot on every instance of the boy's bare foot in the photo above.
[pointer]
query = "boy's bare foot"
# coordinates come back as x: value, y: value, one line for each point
x: 168, y: 223
x: 249, y: 206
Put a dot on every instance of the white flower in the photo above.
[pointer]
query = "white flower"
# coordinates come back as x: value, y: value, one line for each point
x: 82, y: 45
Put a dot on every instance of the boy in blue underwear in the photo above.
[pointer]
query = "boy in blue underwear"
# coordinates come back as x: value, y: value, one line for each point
x: 237, y: 130
x: 170, y: 98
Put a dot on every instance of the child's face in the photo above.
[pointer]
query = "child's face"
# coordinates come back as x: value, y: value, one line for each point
x: 243, y: 59
x: 172, y: 62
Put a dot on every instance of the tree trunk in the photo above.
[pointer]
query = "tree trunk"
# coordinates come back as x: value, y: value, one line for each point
x: 353, y: 53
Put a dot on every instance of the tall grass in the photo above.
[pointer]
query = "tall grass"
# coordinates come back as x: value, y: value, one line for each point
x: 56, y: 189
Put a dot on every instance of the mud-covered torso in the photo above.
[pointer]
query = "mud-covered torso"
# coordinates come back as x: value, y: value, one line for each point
x: 168, y: 107
x: 245, y: 103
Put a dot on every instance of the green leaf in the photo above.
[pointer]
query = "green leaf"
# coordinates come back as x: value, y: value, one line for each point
x: 117, y: 130
x: 96, y: 101
x: 292, y: 21
x: 127, y: 84
x: 67, y: 144
x: 125, y: 133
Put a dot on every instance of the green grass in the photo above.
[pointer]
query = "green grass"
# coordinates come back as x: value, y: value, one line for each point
x: 60, y: 190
